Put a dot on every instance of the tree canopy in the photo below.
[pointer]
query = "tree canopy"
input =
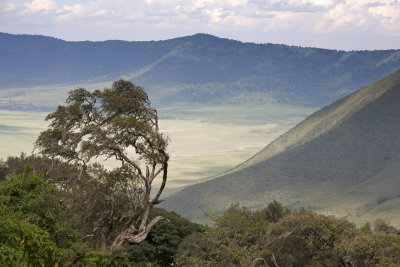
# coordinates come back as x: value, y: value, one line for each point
x: 119, y: 123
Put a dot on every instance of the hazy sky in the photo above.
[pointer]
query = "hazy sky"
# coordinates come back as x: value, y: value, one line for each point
x: 338, y: 24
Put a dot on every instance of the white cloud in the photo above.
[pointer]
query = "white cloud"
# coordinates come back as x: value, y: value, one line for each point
x: 7, y: 7
x: 389, y: 15
x: 39, y: 5
x: 255, y: 20
x: 201, y: 3
x: 379, y: 15
x: 237, y: 2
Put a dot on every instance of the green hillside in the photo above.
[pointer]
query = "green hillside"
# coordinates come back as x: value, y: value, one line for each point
x: 200, y: 68
x: 342, y: 160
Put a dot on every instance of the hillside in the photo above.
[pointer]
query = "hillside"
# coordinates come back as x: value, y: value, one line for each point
x: 341, y: 160
x: 199, y: 68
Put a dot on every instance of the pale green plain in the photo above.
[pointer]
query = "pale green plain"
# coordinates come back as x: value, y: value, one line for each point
x: 204, y: 140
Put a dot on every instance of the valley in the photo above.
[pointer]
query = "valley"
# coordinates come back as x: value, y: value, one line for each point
x: 227, y: 107
x: 204, y: 140
x: 200, y: 133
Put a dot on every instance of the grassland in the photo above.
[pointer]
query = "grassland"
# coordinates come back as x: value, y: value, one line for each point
x: 204, y: 140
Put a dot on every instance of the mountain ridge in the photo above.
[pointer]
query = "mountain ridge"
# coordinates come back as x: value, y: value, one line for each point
x: 199, y: 68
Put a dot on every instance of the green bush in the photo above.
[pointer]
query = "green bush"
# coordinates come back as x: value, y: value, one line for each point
x: 80, y: 255
x: 29, y: 198
x: 275, y: 237
x: 24, y: 244
x: 161, y: 244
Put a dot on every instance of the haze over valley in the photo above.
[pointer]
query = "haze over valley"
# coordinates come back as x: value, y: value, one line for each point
x: 205, y: 141
x: 200, y: 133
x: 220, y: 101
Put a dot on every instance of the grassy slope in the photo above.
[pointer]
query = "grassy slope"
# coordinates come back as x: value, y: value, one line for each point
x: 349, y: 169
x: 321, y: 121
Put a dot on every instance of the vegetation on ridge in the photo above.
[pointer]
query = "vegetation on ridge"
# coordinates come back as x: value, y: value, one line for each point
x: 275, y: 236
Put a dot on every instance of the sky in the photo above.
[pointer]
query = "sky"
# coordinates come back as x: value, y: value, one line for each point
x: 334, y: 24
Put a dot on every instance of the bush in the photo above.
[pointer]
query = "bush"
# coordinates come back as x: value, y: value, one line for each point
x: 161, y: 244
x: 27, y: 197
x: 24, y: 244
x: 80, y: 255
x: 273, y: 236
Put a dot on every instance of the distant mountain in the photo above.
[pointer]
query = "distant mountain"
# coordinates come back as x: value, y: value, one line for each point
x: 198, y: 68
x: 344, y: 159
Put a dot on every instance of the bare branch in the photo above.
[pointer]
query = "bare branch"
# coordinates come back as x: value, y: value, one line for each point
x: 164, y: 181
x: 274, y: 260
x: 258, y: 260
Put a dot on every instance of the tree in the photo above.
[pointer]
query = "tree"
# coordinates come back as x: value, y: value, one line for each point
x: 4, y: 170
x: 161, y: 244
x: 113, y: 123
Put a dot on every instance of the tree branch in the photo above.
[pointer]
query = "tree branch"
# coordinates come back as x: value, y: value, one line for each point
x: 164, y: 181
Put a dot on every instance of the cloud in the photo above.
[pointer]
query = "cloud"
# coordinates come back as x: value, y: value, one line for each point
x: 251, y: 20
x: 382, y: 15
x: 388, y: 14
x: 39, y: 5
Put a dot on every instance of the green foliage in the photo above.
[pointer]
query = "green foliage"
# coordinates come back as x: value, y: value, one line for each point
x: 52, y: 170
x: 116, y: 122
x: 24, y: 244
x: 80, y: 255
x: 28, y: 197
x: 162, y: 242
x: 110, y: 197
x: 382, y: 227
x: 234, y: 240
x: 36, y: 211
x: 4, y: 170
x: 274, y: 236
x: 308, y: 239
x: 274, y: 211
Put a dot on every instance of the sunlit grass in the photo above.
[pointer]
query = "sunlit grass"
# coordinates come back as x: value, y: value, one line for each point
x: 204, y: 140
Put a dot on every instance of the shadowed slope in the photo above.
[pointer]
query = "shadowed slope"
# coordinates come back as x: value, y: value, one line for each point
x: 341, y: 160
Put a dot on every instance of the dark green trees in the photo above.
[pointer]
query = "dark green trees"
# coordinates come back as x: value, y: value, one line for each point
x: 113, y: 123
x: 276, y: 237
x: 161, y: 244
x: 33, y: 226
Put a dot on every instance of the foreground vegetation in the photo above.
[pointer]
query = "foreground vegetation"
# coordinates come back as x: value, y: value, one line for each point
x: 38, y: 228
x: 274, y: 236
x: 41, y: 224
